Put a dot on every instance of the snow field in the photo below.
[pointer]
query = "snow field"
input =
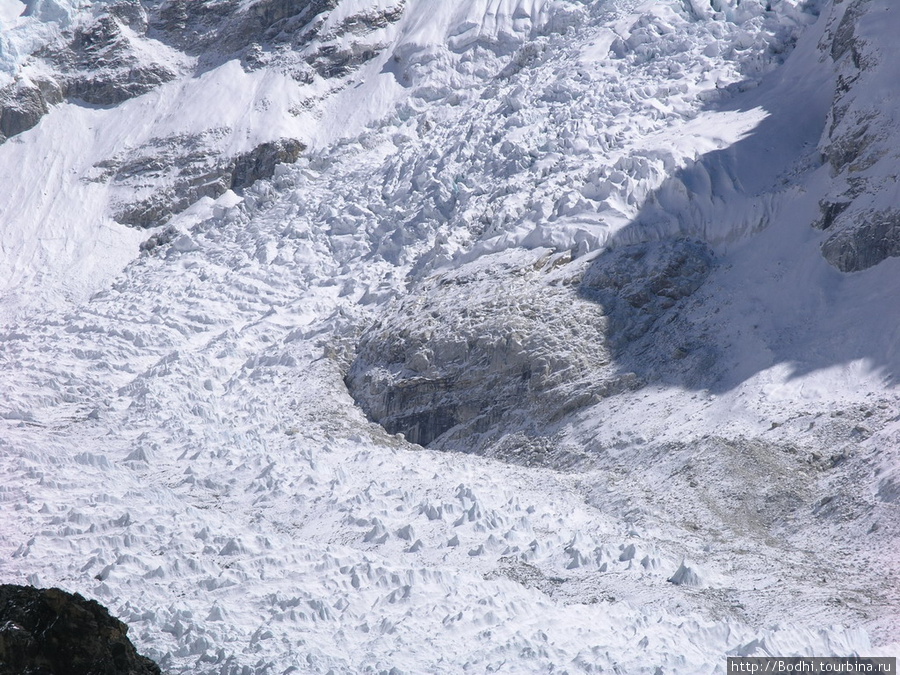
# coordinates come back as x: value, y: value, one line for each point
x: 178, y: 441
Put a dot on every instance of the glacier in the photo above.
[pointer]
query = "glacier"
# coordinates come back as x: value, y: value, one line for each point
x: 556, y: 336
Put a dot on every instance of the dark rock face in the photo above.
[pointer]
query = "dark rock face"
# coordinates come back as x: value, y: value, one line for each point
x: 104, y: 60
x: 874, y: 239
x: 190, y: 25
x: 859, y: 145
x: 156, y: 210
x: 100, y: 64
x: 131, y: 13
x: 21, y: 107
x: 830, y: 212
x: 272, y: 29
x: 844, y: 39
x: 260, y: 163
x: 165, y: 176
x: 126, y: 83
x: 51, y: 632
x: 184, y: 169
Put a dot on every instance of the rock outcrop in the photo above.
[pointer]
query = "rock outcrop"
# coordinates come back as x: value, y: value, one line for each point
x: 860, y: 142
x: 51, y: 632
x: 295, y: 33
x: 260, y: 162
x: 183, y: 169
x: 23, y: 104
x: 864, y: 243
x: 126, y: 48
x: 104, y: 64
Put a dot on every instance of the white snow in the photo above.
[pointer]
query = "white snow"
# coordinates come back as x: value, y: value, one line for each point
x: 59, y: 240
x: 177, y: 441
x: 10, y: 11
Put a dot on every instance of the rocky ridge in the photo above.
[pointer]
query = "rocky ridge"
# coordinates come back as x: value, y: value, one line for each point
x: 122, y: 50
x: 859, y: 214
x: 51, y: 632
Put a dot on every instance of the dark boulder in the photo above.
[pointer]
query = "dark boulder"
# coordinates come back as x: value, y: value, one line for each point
x: 51, y: 632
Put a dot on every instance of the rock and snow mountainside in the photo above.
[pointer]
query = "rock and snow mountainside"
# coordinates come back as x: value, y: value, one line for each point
x: 485, y: 336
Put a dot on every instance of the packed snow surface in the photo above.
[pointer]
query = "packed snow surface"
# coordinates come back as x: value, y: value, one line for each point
x: 178, y: 441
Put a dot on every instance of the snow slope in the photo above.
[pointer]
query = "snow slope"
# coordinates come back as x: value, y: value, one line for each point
x: 179, y: 442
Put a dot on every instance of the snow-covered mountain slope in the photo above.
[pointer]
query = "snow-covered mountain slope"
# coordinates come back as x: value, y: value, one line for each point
x: 569, y: 246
